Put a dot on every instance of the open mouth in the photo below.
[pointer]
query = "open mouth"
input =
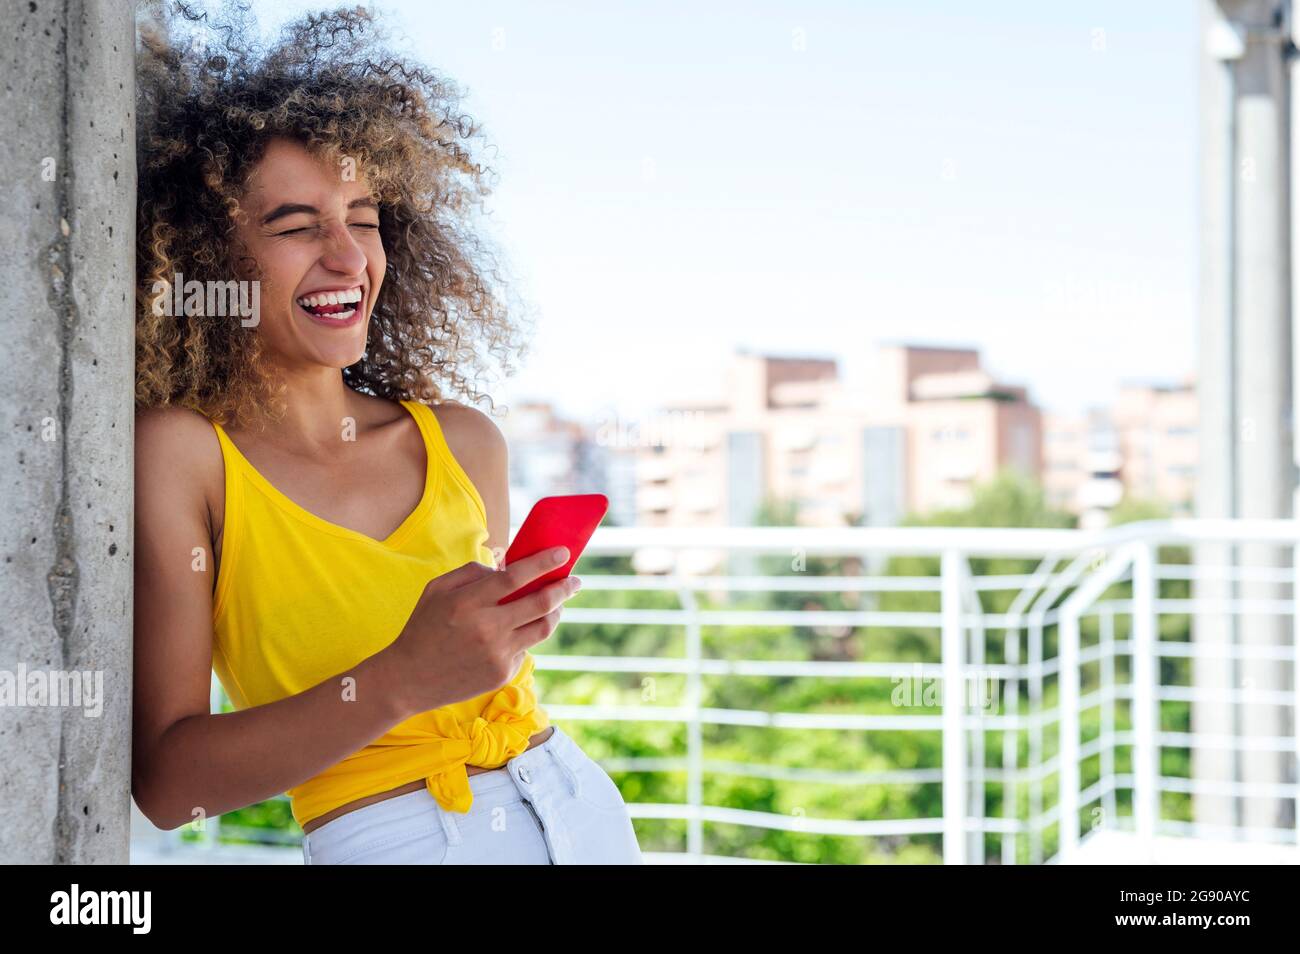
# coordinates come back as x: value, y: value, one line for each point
x: 333, y: 306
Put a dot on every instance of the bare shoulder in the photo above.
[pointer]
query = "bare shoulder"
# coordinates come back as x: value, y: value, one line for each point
x: 469, y: 430
x: 177, y: 453
x: 179, y: 433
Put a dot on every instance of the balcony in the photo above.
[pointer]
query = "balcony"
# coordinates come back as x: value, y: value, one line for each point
x: 1082, y: 693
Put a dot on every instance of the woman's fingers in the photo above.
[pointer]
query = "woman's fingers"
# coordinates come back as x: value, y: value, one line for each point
x: 530, y: 634
x: 522, y: 572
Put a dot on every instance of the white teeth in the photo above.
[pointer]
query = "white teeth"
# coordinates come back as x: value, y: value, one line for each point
x: 331, y: 298
x: 338, y: 315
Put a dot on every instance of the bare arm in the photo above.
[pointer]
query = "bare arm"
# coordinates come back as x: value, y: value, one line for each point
x: 184, y: 758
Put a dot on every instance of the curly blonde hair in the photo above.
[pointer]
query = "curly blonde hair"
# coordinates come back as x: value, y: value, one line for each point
x: 209, y: 101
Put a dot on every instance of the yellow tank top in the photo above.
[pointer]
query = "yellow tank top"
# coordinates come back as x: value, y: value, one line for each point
x: 300, y: 600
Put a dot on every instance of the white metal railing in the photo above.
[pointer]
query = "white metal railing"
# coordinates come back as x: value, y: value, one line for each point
x: 1072, y: 576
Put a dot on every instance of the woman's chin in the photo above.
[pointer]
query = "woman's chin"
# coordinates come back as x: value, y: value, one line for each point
x: 338, y: 354
x: 336, y: 347
x: 336, y: 358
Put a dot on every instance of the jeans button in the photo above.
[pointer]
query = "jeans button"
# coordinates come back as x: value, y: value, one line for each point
x: 523, y: 775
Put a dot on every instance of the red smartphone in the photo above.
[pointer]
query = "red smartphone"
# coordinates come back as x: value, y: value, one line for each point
x: 565, y: 520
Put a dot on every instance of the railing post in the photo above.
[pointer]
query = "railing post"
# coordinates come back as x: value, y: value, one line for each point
x: 1145, y: 698
x: 1036, y: 735
x: 1295, y: 676
x: 954, y: 709
x: 973, y: 678
x: 1088, y: 592
x: 694, y: 734
x: 1107, y: 622
x: 1068, y: 726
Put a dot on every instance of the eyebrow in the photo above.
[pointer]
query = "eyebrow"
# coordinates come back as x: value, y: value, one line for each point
x: 290, y: 208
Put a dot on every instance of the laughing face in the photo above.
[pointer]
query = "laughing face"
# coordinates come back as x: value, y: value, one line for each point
x: 315, y: 236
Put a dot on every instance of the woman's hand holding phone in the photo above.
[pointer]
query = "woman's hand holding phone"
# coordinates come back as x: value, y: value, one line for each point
x: 461, y: 641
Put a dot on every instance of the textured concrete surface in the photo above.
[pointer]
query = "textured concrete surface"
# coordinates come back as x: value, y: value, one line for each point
x: 66, y: 423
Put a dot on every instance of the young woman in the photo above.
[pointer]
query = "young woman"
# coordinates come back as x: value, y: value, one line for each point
x: 315, y: 522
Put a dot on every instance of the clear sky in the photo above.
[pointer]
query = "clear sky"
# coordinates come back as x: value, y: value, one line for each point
x: 681, y: 178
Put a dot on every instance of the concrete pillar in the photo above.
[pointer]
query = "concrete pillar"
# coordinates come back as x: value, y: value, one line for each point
x: 66, y: 428
x: 1265, y: 470
x: 1246, y: 456
x: 1214, y: 384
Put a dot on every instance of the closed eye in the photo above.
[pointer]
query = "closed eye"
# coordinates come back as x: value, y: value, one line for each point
x: 308, y: 228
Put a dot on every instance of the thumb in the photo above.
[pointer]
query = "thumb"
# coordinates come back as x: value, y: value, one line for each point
x: 461, y: 576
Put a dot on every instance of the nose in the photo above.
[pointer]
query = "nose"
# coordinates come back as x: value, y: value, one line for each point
x: 342, y: 253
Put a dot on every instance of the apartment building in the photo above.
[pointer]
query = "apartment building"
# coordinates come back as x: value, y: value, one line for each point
x: 916, y: 435
x: 1157, y: 428
x: 1082, y: 464
x: 1143, y: 446
x: 552, y: 455
x: 963, y: 427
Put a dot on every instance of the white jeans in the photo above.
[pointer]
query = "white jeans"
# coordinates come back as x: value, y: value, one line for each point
x: 551, y: 804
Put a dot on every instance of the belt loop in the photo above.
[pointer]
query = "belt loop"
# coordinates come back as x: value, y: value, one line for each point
x: 563, y: 763
x: 306, y: 849
x: 450, y: 827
